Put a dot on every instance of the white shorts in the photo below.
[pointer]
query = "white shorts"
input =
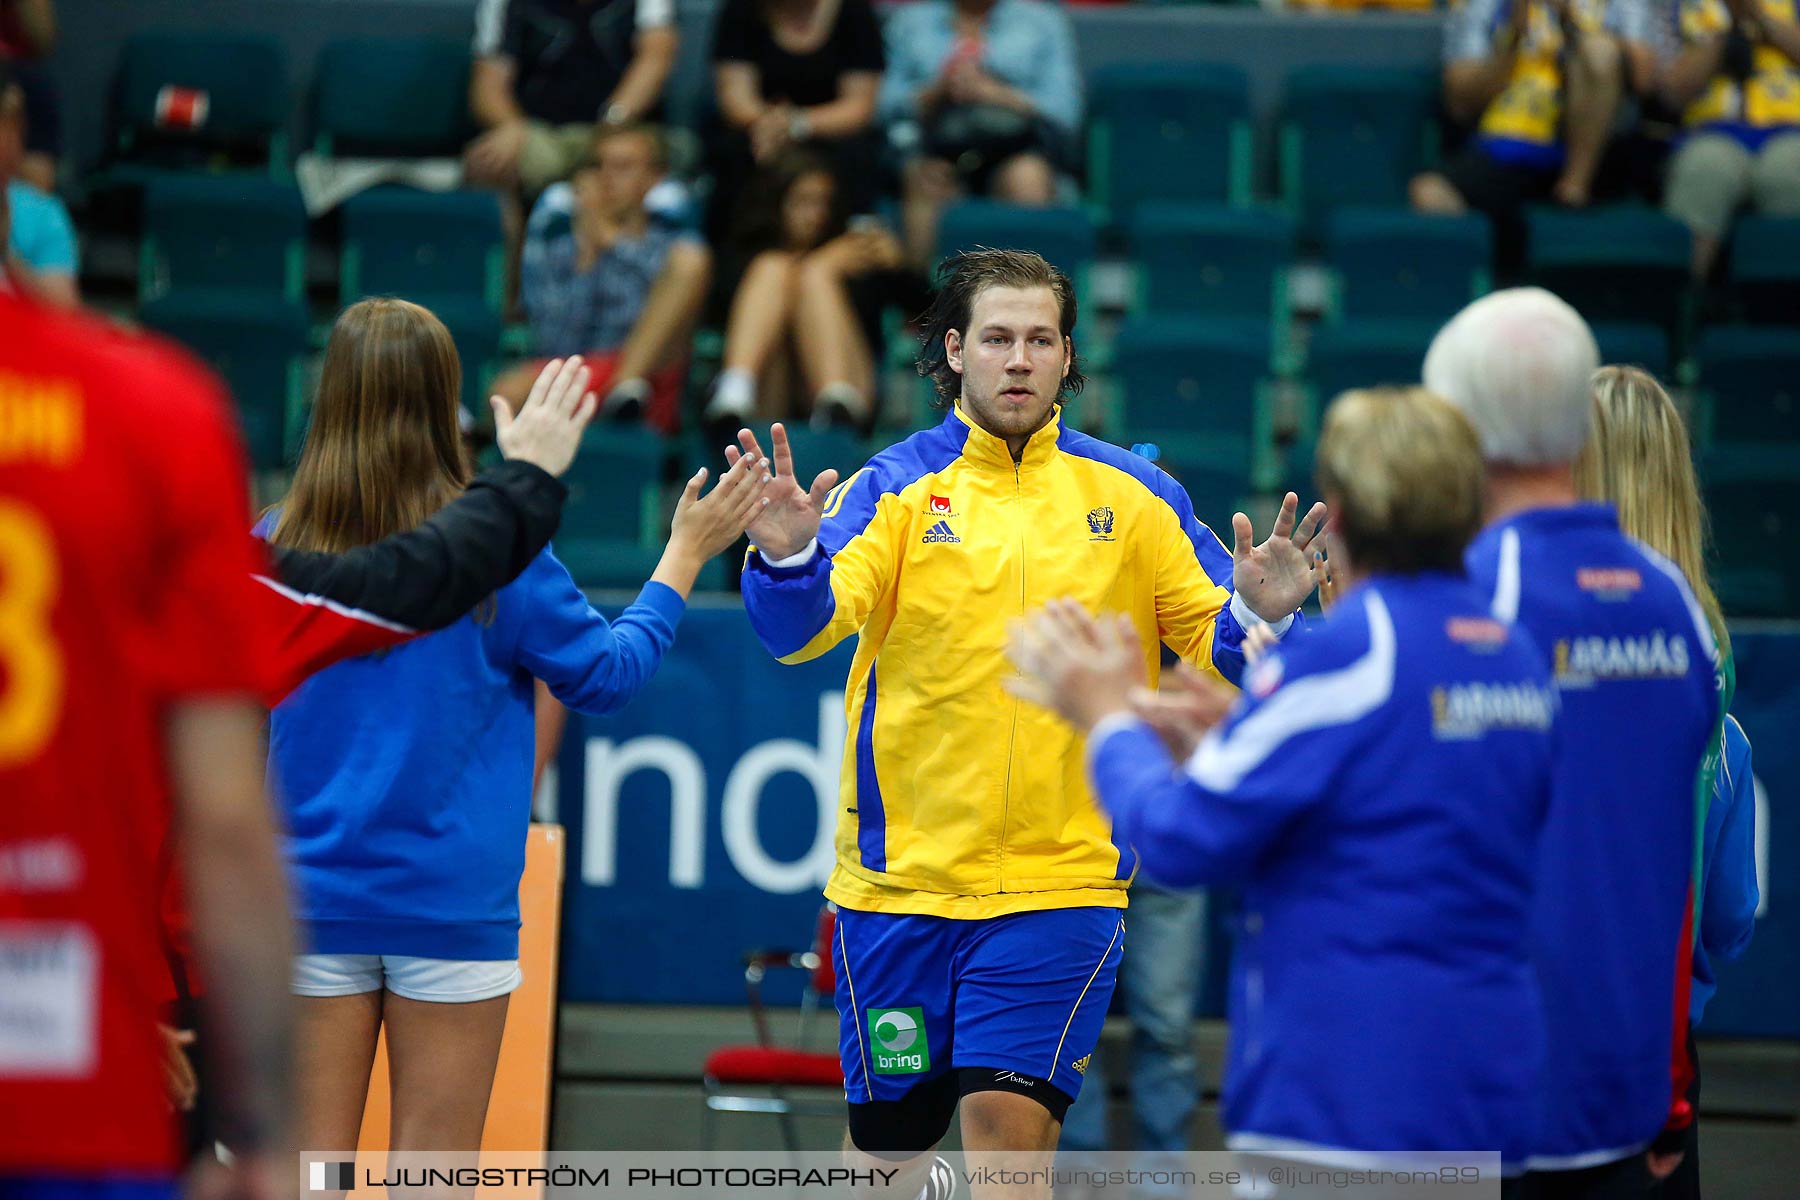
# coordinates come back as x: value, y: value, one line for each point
x: 435, y: 980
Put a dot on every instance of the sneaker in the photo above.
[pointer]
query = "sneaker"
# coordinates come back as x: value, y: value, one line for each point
x: 625, y: 403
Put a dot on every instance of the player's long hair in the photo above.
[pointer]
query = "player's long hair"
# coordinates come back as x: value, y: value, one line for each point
x: 385, y: 450
x: 1637, y: 459
x: 960, y: 279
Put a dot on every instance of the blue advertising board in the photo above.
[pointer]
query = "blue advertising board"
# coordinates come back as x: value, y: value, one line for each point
x: 701, y: 818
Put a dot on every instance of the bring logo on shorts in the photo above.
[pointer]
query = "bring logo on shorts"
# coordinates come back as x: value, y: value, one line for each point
x: 897, y: 1041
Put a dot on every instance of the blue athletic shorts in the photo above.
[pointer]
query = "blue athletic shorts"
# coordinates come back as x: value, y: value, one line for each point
x: 918, y: 996
x: 72, y: 1187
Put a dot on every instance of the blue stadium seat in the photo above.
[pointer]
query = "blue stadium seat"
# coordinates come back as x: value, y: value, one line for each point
x: 392, y: 97
x: 243, y: 80
x: 1752, y: 500
x: 1212, y: 261
x: 1634, y: 344
x: 1751, y: 378
x: 1175, y: 132
x: 1612, y: 264
x: 1391, y: 263
x: 258, y: 345
x: 241, y: 233
x: 1358, y: 354
x: 1765, y: 268
x: 1354, y: 136
x: 477, y: 330
x: 425, y: 246
x: 1065, y: 236
x: 609, y: 536
x: 1191, y: 386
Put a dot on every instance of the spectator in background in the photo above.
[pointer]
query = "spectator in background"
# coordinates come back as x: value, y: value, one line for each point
x: 796, y: 72
x: 1542, y: 82
x: 35, y: 231
x: 807, y: 303
x: 985, y: 95
x: 547, y: 72
x: 27, y: 36
x: 602, y: 279
x: 1735, y: 79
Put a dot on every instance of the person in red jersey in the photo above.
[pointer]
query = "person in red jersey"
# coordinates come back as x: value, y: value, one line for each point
x: 129, y: 677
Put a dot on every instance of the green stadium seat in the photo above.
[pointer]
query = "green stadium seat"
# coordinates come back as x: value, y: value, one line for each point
x: 1634, y: 344
x: 1064, y: 236
x: 392, y: 97
x: 1753, y: 505
x: 1394, y: 264
x: 1765, y: 268
x: 611, y: 535
x: 1612, y: 264
x: 477, y: 330
x: 1751, y: 378
x: 1177, y: 132
x: 1213, y: 261
x: 1192, y: 386
x: 258, y: 345
x: 1358, y: 354
x: 243, y: 80
x: 1354, y: 136
x: 426, y: 246
x: 241, y: 233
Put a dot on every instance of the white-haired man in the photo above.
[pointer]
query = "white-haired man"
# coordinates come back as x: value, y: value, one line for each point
x: 1632, y: 656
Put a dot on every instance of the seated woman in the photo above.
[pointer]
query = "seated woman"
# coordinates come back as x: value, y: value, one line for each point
x: 985, y: 96
x: 795, y: 73
x: 1376, y: 792
x: 806, y: 305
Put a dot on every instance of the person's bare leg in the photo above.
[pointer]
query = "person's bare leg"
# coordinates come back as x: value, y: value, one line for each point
x: 927, y: 186
x: 1025, y: 179
x: 334, y: 1053
x: 1436, y: 196
x: 829, y: 339
x: 39, y: 170
x: 910, y: 1173
x: 441, y: 1060
x: 1005, y: 1129
x: 662, y: 331
x: 1595, y: 82
x: 760, y: 312
x: 514, y: 383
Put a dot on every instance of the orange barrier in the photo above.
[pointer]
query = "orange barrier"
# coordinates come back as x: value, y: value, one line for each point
x: 518, y: 1116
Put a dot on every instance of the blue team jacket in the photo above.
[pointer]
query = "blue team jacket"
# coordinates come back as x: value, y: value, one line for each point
x: 1728, y: 891
x: 1632, y: 657
x: 1377, y: 792
x: 406, y: 776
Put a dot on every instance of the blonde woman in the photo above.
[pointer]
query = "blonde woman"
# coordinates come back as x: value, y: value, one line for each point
x: 1638, y: 460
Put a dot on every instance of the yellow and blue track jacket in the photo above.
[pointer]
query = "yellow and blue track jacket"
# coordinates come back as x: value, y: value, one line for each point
x: 958, y: 800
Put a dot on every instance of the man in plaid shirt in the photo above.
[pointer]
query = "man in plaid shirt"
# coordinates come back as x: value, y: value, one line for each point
x: 602, y: 278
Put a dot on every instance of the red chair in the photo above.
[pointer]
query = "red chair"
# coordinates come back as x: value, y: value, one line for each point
x: 769, y: 1065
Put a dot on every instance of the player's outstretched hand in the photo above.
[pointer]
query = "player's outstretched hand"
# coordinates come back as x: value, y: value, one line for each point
x: 1078, y: 666
x: 1276, y: 577
x: 710, y: 524
x: 791, y: 517
x: 1188, y: 705
x: 546, y: 431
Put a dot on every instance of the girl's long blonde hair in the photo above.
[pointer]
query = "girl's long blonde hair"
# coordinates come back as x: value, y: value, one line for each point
x: 1638, y: 460
x: 385, y: 449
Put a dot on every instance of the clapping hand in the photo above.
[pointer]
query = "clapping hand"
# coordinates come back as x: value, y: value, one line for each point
x: 1081, y: 667
x: 1188, y: 705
